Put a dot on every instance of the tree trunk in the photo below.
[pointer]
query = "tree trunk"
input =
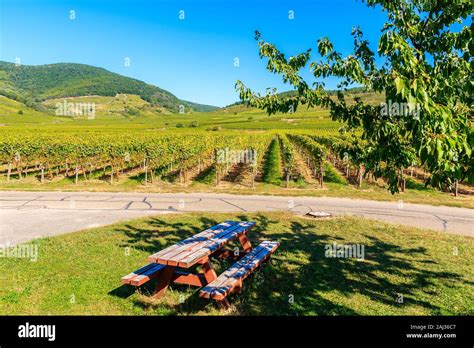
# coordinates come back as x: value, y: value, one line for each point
x: 456, y: 188
x: 402, y: 181
x: 112, y: 175
x: 287, y: 179
x: 321, y: 177
x: 146, y: 172
x: 360, y: 175
x: 76, y: 174
x: 9, y: 171
x: 67, y: 169
x: 253, y: 177
x: 42, y: 173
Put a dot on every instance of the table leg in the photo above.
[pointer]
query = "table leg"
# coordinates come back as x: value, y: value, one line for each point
x: 164, y: 281
x: 208, y: 271
x: 245, y: 242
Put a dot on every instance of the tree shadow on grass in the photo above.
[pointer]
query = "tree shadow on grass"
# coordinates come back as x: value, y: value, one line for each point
x: 300, y: 279
x: 299, y: 286
x: 159, y: 234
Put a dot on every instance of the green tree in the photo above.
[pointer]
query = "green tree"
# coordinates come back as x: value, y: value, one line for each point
x: 426, y: 50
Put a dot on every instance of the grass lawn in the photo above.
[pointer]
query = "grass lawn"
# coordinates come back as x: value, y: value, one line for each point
x: 79, y: 273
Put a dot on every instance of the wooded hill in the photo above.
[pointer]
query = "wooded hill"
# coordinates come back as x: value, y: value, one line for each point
x: 33, y: 84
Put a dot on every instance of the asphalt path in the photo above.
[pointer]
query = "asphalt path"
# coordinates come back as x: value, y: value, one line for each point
x: 28, y: 215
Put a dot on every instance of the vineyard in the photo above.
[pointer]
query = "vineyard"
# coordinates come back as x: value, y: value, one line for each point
x: 113, y: 154
x: 282, y: 159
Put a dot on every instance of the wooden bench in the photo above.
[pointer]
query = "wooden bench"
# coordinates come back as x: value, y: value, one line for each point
x: 192, y: 249
x: 231, y: 280
x: 170, y: 264
x: 143, y: 275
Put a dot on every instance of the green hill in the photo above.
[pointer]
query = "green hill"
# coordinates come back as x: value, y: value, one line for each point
x: 367, y: 96
x: 34, y: 84
x: 12, y: 111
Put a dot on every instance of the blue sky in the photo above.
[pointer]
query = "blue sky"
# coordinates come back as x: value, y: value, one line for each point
x: 192, y: 58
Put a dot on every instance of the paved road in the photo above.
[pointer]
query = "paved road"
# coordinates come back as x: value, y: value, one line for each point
x: 28, y: 215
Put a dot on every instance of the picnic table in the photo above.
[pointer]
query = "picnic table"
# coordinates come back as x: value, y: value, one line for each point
x: 173, y: 263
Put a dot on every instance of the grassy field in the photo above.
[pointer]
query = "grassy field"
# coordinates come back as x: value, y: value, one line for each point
x: 131, y: 111
x: 79, y: 273
x: 13, y: 112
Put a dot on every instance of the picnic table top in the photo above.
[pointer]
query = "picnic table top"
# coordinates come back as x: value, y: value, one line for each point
x: 193, y: 249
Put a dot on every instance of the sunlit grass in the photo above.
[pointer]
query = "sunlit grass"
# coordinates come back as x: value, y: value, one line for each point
x: 79, y: 273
